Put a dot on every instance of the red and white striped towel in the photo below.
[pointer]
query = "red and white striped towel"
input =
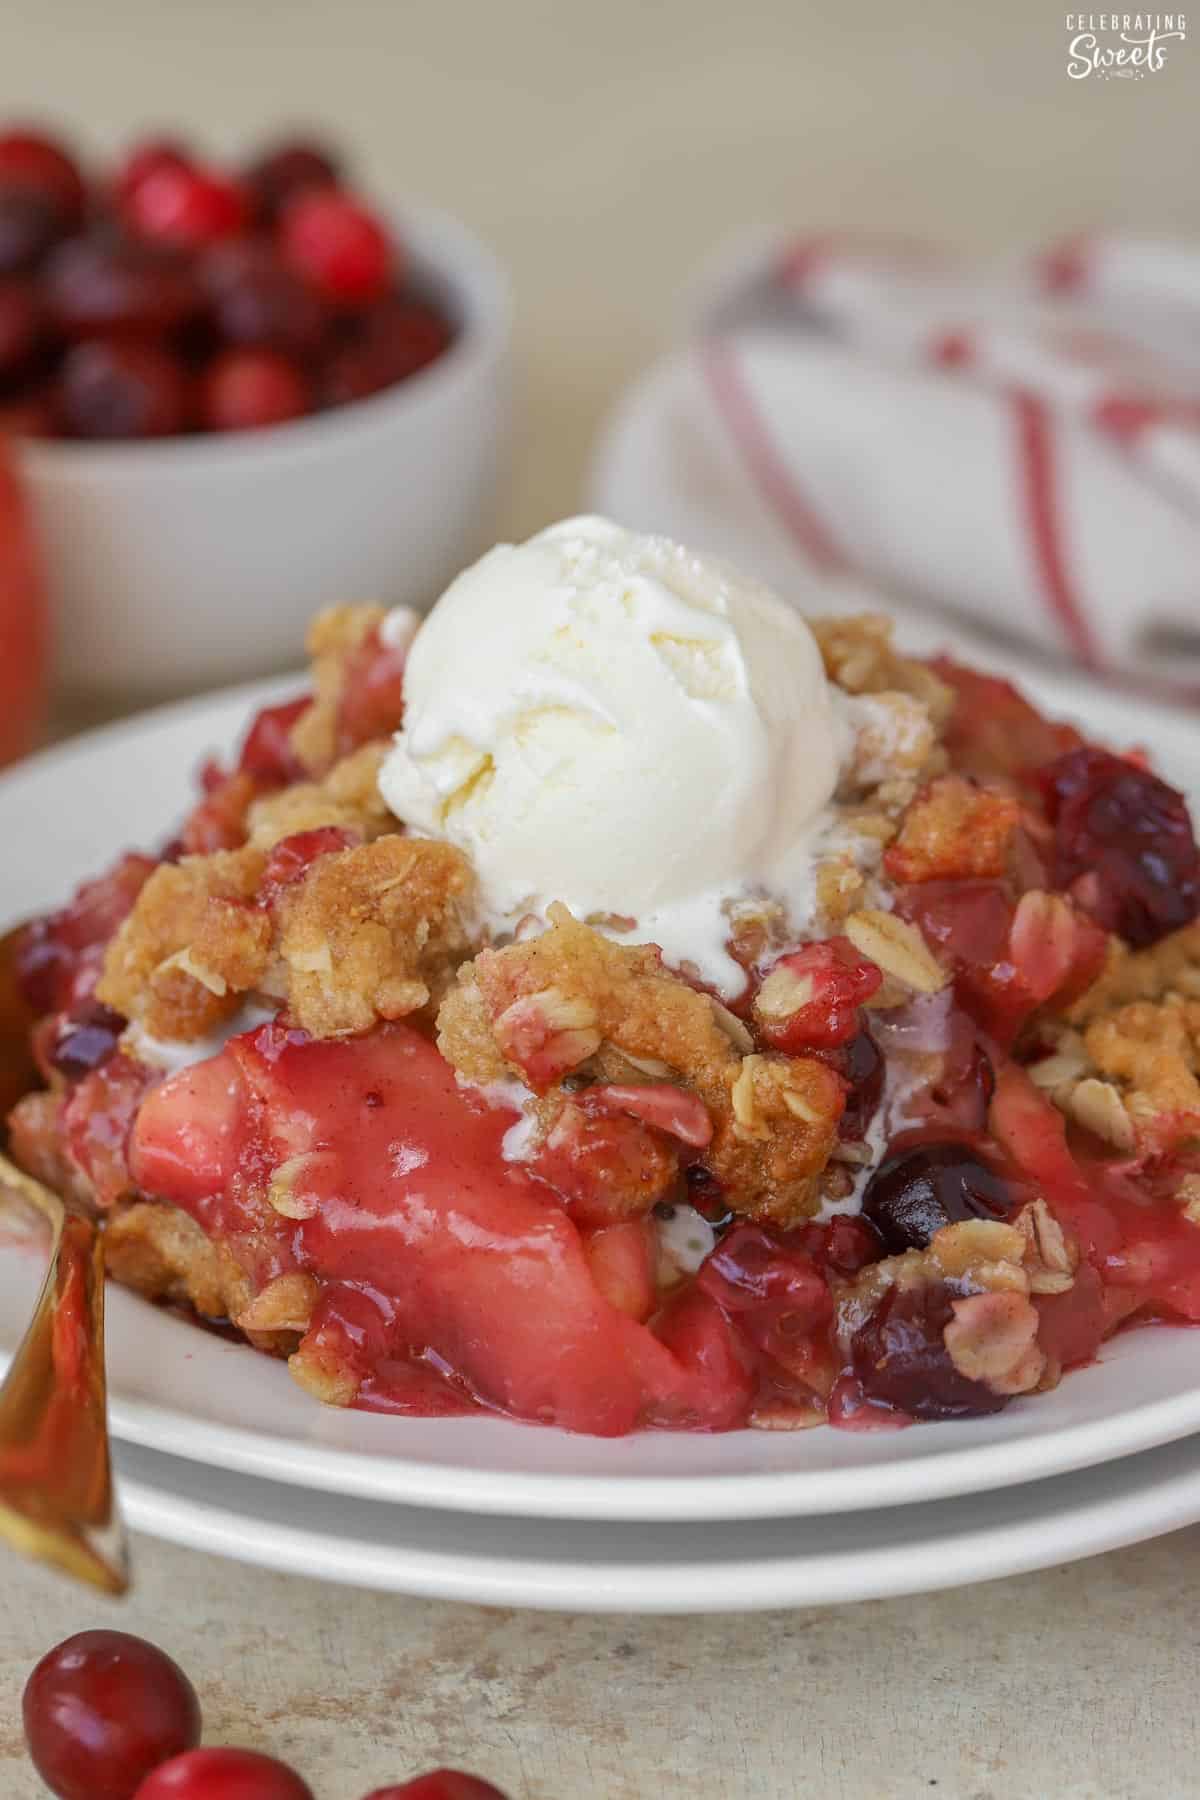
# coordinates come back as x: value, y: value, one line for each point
x: 1018, y: 447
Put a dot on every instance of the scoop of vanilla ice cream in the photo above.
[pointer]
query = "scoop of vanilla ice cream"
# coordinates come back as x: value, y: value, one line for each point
x: 607, y: 719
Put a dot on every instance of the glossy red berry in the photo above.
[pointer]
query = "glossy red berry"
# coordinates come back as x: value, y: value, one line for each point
x: 122, y: 390
x: 30, y: 226
x: 286, y: 170
x: 84, y: 1041
x: 101, y: 1710
x: 916, y: 1191
x: 810, y: 998
x: 98, y: 287
x: 187, y: 207
x: 146, y: 159
x: 224, y: 1775
x: 394, y: 339
x: 31, y: 160
x: 267, y: 752
x: 900, y: 1358
x: 1123, y: 844
x: 338, y: 245
x: 440, y: 1784
x: 258, y: 303
x: 247, y: 389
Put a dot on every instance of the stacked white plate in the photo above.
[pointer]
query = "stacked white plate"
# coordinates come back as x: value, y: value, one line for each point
x: 218, y: 1449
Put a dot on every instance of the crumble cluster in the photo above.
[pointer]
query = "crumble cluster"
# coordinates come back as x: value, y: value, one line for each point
x: 377, y: 926
x: 1126, y: 1058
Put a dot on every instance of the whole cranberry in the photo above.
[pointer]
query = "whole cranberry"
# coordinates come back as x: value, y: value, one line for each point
x: 40, y: 164
x: 917, y: 1190
x: 22, y: 328
x: 246, y: 389
x: 223, y: 1775
x: 440, y: 1784
x: 1123, y: 844
x: 338, y: 245
x: 186, y: 207
x: 120, y: 390
x: 106, y: 287
x: 850, y: 1243
x: 267, y: 751
x: 30, y: 226
x: 84, y: 1042
x: 258, y: 303
x: 101, y: 1710
x: 920, y: 1188
x: 900, y: 1357
x: 146, y: 158
x: 860, y: 1063
x: 394, y: 339
x: 285, y: 170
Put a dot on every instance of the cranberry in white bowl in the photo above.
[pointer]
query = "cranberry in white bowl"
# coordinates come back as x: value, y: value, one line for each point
x: 177, y: 563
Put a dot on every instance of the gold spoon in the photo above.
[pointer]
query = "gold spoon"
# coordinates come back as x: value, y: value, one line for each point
x: 56, y: 1491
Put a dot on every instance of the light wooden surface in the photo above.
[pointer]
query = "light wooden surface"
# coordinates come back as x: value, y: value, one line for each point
x: 605, y: 149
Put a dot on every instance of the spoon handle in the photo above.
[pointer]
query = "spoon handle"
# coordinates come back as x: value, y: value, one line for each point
x: 56, y: 1490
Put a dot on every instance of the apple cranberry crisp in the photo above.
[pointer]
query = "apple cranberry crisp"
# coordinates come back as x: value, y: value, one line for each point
x: 941, y: 1143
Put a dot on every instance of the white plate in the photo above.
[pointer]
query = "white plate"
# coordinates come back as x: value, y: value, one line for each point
x: 681, y: 1568
x: 187, y: 1393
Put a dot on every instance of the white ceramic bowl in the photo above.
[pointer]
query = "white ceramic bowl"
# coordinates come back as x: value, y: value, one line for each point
x: 183, y: 562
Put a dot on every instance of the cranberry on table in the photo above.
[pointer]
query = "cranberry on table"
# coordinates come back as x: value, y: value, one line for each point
x: 98, y: 287
x: 31, y: 160
x: 245, y: 389
x: 101, y: 1710
x: 223, y: 1774
x: 119, y: 390
x: 440, y: 1784
x: 186, y: 206
x: 30, y: 225
x: 286, y: 170
x: 919, y: 1189
x: 338, y: 245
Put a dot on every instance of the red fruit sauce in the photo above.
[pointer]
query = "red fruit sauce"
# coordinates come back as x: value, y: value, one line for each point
x: 430, y: 1242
